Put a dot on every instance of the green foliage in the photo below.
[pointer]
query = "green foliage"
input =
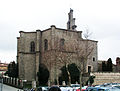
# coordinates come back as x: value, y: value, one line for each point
x: 43, y: 75
x: 90, y: 80
x: 107, y: 67
x: 64, y: 75
x: 12, y: 70
x: 103, y: 66
x: 74, y: 73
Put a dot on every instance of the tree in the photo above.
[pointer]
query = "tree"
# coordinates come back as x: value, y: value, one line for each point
x: 62, y: 52
x: 90, y: 80
x: 64, y: 75
x: 84, y: 50
x: 43, y: 75
x: 12, y: 70
x: 56, y: 56
x: 73, y: 71
x: 104, y: 66
x: 109, y: 65
x: 65, y: 58
x: 62, y: 56
x: 48, y: 60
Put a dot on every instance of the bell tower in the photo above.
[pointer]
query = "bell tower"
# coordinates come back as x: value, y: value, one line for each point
x: 71, y: 21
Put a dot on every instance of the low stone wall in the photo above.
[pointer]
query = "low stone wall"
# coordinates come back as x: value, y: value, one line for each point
x: 106, y: 77
x: 12, y: 82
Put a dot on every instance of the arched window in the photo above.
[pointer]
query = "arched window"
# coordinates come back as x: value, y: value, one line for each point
x: 62, y: 42
x: 32, y: 46
x: 45, y: 44
x: 93, y: 58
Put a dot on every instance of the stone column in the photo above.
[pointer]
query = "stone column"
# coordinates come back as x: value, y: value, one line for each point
x: 52, y: 36
x: 17, y: 82
x: 33, y: 84
x: 20, y: 54
x: 38, y: 51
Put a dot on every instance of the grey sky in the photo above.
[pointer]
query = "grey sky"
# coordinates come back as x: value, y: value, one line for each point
x: 101, y: 17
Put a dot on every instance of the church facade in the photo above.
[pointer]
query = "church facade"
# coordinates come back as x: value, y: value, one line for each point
x: 54, y: 47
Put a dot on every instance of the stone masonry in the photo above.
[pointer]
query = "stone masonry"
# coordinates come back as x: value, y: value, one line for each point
x: 106, y: 77
x: 50, y: 47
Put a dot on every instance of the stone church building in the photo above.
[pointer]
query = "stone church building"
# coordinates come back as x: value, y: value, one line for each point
x: 55, y: 48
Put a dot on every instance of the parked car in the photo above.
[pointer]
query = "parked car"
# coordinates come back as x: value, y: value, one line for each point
x: 66, y: 88
x: 98, y: 89
x: 75, y: 86
x: 43, y: 88
x: 83, y: 88
x: 117, y: 86
x: 109, y: 85
x: 54, y: 88
x: 113, y: 89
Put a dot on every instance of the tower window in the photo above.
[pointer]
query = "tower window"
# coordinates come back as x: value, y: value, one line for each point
x: 32, y: 46
x: 45, y: 44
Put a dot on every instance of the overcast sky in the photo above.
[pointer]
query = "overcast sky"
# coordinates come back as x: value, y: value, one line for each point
x: 101, y: 17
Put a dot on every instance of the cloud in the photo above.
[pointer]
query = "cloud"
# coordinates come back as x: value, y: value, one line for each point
x: 101, y: 17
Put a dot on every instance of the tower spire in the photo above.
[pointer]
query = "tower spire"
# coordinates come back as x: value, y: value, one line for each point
x: 71, y: 21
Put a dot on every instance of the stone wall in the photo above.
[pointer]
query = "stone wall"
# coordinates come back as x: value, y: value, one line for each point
x: 73, y: 43
x: 26, y: 59
x: 101, y: 78
x: 15, y: 82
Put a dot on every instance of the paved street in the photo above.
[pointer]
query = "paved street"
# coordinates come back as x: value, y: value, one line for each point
x: 8, y: 88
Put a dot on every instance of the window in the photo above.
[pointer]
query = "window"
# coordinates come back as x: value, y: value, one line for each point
x: 45, y: 44
x: 89, y: 69
x: 62, y: 44
x: 32, y: 46
x: 93, y: 58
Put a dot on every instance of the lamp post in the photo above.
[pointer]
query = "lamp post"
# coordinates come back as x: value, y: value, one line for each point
x: 1, y: 80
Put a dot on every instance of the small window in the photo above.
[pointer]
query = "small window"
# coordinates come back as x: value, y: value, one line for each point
x: 93, y: 58
x: 45, y: 44
x: 89, y: 69
x: 32, y: 46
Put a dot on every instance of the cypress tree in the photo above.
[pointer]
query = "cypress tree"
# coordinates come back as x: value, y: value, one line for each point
x: 109, y: 65
x: 103, y: 66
